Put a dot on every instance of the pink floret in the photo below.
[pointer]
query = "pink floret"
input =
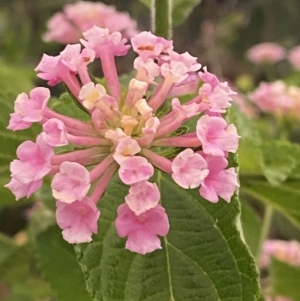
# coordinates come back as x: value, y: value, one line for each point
x: 71, y: 183
x: 142, y: 196
x: 189, y: 169
x: 220, y: 182
x: 216, y: 136
x: 135, y: 169
x: 142, y: 230
x: 78, y: 220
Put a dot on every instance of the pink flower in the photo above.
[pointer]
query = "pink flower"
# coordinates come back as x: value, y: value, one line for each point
x: 61, y: 30
x: 28, y: 172
x: 174, y: 71
x: 142, y: 196
x: 98, y: 39
x: 189, y: 110
x: 95, y: 96
x: 66, y: 27
x: 71, y: 183
x: 189, y: 169
x: 29, y: 109
x: 55, y: 133
x: 73, y: 58
x: 142, y: 230
x: 287, y: 251
x: 266, y: 52
x: 273, y: 97
x: 135, y: 169
x: 126, y: 148
x: 147, y: 69
x: 216, y: 136
x: 148, y: 45
x: 189, y: 61
x: 216, y: 95
x: 130, y: 130
x: 51, y: 69
x: 294, y: 57
x: 16, y: 123
x: 20, y: 189
x: 34, y: 161
x: 78, y: 220
x: 219, y: 181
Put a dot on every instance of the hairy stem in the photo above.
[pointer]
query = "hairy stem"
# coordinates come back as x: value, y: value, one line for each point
x: 161, y: 15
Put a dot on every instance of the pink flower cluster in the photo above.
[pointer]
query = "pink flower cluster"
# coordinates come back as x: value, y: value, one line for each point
x: 294, y: 57
x: 67, y: 26
x: 266, y: 52
x: 277, y: 98
x: 287, y: 251
x: 128, y: 133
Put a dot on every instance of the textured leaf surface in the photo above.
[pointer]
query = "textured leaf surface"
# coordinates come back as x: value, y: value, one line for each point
x: 280, y: 160
x: 58, y: 264
x: 285, y: 279
x: 202, y: 258
x: 181, y: 9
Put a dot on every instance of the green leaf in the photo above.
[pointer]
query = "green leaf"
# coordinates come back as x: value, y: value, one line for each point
x: 181, y: 9
x: 202, y: 258
x: 251, y: 225
x: 14, y: 79
x: 280, y: 159
x: 65, y: 105
x: 6, y: 248
x: 249, y: 152
x: 20, y: 279
x: 59, y: 267
x: 285, y: 279
x: 284, y: 197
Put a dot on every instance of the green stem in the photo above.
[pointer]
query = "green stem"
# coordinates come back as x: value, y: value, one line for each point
x: 264, y: 231
x: 161, y: 15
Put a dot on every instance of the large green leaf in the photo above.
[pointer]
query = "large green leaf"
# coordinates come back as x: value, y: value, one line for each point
x: 6, y: 248
x: 251, y: 225
x: 15, y: 79
x: 285, y: 279
x: 19, y: 278
x: 202, y: 258
x: 181, y: 9
x: 284, y: 197
x: 280, y: 160
x: 59, y: 267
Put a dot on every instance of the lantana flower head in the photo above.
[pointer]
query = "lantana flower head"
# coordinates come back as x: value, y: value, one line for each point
x: 266, y: 52
x: 294, y: 57
x: 277, y: 98
x: 67, y: 26
x: 129, y: 133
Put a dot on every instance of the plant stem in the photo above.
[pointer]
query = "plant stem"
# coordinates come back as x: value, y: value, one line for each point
x: 264, y: 231
x: 161, y: 15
